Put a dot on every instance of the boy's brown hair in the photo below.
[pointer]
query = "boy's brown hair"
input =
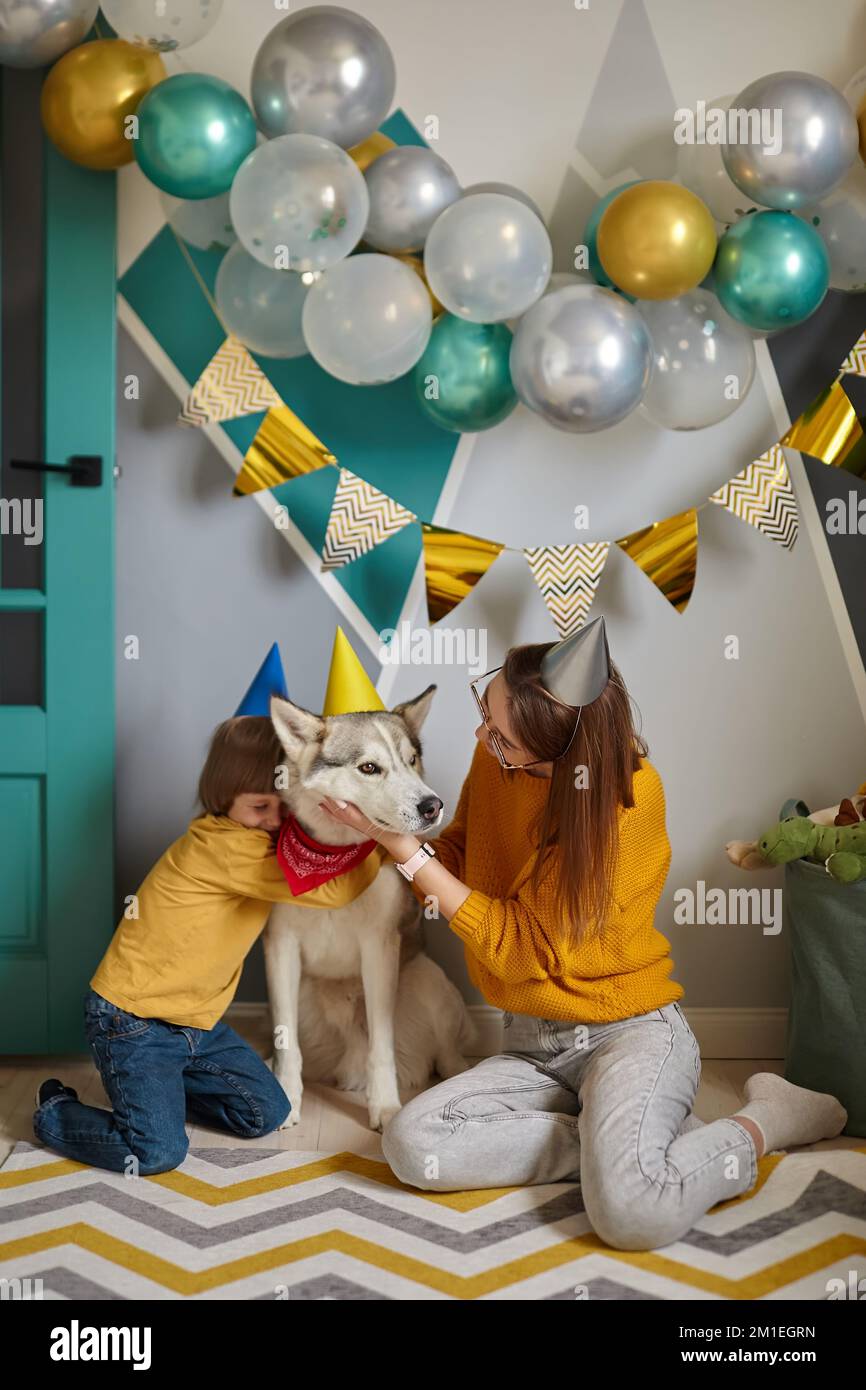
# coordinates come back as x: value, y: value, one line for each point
x: 244, y: 755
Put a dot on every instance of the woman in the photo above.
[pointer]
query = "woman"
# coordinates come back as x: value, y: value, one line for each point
x: 550, y: 873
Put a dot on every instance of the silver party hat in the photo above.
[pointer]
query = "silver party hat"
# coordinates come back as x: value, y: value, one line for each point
x: 577, y: 669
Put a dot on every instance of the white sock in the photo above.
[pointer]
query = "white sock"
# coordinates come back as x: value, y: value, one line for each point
x: 787, y: 1114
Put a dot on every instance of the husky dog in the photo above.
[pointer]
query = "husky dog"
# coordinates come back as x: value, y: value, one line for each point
x: 354, y: 999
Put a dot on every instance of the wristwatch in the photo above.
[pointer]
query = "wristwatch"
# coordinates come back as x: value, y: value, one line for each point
x: 416, y: 862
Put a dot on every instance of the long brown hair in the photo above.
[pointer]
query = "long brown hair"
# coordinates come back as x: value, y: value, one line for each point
x: 581, y: 821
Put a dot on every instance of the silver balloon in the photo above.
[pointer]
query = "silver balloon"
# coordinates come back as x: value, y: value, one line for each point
x: 368, y: 319
x: 262, y: 307
x: 840, y: 221
x: 508, y: 190
x: 808, y: 147
x: 35, y: 32
x: 408, y: 188
x: 701, y: 168
x: 299, y: 195
x: 487, y: 258
x: 581, y: 358
x: 323, y: 71
x: 202, y: 222
x: 703, y: 361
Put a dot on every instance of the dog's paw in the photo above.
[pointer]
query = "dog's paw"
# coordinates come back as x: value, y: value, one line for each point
x: 380, y: 1115
x: 293, y: 1118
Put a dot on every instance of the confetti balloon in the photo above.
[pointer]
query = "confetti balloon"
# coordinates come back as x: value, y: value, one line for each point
x: 840, y: 221
x: 299, y: 197
x: 703, y: 361
x: 701, y: 168
x: 162, y: 25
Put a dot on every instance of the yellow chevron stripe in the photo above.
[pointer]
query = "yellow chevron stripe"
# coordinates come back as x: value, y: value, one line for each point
x: 43, y: 1173
x: 377, y: 1170
x: 189, y: 1282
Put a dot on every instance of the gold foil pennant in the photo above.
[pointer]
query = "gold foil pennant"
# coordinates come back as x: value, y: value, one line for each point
x: 453, y: 565
x: 231, y: 385
x: 829, y: 430
x: 284, y: 448
x: 667, y: 552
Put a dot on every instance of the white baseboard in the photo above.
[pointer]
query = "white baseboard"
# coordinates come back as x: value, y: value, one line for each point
x: 721, y: 1033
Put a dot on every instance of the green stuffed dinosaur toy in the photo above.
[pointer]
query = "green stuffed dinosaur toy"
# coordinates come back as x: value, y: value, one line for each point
x: 840, y: 848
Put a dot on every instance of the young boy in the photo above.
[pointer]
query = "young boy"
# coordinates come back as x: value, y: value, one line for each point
x: 153, y: 1013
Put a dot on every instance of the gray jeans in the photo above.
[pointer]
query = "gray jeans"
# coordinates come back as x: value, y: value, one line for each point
x: 607, y: 1105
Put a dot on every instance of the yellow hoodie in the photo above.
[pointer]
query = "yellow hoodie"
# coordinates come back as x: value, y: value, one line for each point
x: 200, y: 909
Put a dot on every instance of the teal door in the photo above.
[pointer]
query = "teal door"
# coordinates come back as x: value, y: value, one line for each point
x: 57, y: 354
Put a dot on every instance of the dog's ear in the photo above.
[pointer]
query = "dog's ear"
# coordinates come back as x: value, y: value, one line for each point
x: 414, y: 712
x: 295, y: 727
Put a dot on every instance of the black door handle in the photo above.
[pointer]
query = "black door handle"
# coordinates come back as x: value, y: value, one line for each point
x: 85, y: 470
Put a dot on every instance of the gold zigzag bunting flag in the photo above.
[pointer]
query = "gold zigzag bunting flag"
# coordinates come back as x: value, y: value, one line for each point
x: 762, y: 495
x: 829, y: 430
x: 855, y: 362
x: 283, y: 449
x: 568, y: 576
x: 361, y: 518
x: 453, y: 565
x: 667, y: 552
x: 230, y: 386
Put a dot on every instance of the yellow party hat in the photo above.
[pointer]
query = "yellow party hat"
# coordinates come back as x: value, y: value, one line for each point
x: 350, y: 689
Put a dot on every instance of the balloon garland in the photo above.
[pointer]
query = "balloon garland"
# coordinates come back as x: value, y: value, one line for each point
x: 374, y: 259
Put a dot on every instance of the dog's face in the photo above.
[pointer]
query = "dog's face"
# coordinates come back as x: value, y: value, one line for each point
x: 372, y: 759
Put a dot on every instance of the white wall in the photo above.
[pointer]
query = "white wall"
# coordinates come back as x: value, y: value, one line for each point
x: 210, y: 585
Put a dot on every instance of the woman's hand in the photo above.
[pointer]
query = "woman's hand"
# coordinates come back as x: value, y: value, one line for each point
x: 401, y: 847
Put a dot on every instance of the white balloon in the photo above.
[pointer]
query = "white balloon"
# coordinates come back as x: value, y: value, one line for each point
x: 701, y: 169
x: 855, y: 90
x: 703, y: 361
x: 487, y: 258
x: 260, y: 307
x: 367, y: 320
x: 162, y: 24
x: 202, y: 222
x: 840, y: 221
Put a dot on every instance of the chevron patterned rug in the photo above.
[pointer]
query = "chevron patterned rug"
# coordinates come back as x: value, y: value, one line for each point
x: 252, y: 1223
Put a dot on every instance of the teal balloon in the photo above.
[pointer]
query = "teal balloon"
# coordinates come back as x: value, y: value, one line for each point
x: 590, y: 237
x: 771, y: 270
x: 463, y: 381
x: 194, y: 132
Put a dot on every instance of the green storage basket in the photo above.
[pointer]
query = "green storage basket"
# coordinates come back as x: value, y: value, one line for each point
x: 826, y: 1047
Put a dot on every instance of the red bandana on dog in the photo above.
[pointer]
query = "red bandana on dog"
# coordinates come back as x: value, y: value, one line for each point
x: 307, y: 864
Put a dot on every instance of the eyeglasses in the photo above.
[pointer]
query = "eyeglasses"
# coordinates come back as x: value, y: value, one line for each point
x: 515, y: 767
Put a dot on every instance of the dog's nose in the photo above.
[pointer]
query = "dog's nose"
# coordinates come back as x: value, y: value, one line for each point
x: 430, y: 807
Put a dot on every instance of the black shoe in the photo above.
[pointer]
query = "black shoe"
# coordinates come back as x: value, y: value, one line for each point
x: 51, y: 1088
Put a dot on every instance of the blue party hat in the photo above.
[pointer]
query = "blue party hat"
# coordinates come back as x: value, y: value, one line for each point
x: 269, y: 680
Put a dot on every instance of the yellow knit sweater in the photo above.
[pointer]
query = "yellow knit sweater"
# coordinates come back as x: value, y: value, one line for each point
x: 515, y: 936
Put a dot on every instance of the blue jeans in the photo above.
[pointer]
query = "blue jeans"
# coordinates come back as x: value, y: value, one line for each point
x: 154, y: 1074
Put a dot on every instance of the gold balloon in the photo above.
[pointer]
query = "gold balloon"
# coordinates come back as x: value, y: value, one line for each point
x: 656, y: 240
x: 88, y: 95
x: 416, y: 264
x: 370, y: 149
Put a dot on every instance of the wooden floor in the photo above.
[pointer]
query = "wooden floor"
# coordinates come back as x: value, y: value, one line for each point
x: 332, y: 1120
